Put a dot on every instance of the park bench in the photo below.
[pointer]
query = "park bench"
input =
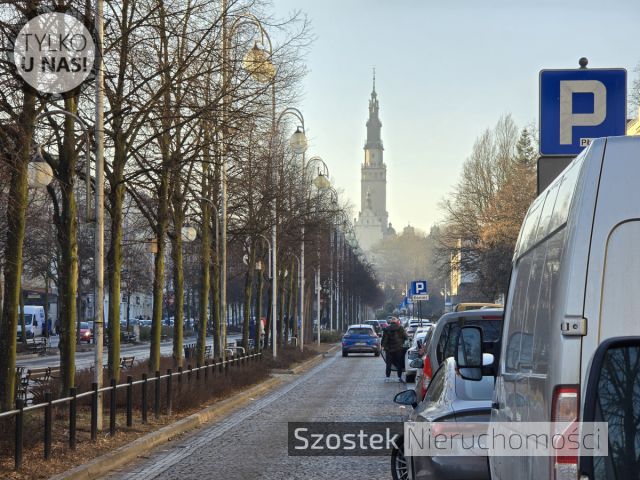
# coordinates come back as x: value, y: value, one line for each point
x: 128, y: 337
x: 34, y: 378
x: 233, y: 350
x: 37, y: 345
x: 127, y: 362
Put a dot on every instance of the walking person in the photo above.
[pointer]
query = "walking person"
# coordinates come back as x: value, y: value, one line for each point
x: 393, y: 339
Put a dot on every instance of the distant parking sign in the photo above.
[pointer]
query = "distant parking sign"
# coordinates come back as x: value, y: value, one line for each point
x: 577, y: 106
x: 419, y: 287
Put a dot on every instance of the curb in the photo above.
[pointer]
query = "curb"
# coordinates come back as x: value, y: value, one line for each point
x: 104, y: 464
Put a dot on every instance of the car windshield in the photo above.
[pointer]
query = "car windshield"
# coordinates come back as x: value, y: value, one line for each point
x: 419, y: 336
x: 84, y: 325
x: 360, y: 331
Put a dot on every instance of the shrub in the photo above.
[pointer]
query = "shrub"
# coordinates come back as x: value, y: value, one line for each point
x: 330, y: 336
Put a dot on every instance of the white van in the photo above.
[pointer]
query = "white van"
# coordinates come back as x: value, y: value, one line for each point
x: 575, y: 284
x: 33, y: 320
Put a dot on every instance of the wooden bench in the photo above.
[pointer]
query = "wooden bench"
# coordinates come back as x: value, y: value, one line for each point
x: 233, y: 351
x: 127, y: 362
x: 128, y: 337
x: 21, y: 391
x: 37, y: 345
x: 35, y: 378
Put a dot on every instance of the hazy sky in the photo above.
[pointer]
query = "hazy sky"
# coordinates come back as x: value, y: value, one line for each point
x: 445, y: 72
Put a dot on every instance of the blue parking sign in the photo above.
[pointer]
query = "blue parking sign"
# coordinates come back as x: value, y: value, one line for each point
x: 577, y: 106
x: 419, y: 287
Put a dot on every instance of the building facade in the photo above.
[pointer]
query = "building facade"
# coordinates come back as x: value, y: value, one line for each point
x: 372, y: 224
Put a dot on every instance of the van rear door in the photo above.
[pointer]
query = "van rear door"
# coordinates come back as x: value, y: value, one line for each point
x: 612, y: 302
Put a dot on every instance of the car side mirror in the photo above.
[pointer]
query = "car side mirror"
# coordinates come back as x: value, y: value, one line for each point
x: 407, y: 397
x: 612, y: 396
x: 417, y: 363
x: 469, y: 358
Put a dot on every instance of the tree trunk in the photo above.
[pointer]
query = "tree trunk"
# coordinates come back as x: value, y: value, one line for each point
x: 248, y: 295
x: 13, y: 254
x: 215, y: 297
x: 114, y: 255
x: 68, y: 240
x: 23, y: 323
x: 258, y: 309
x: 291, y: 304
x: 158, y: 275
x: 178, y: 284
x: 46, y: 301
x: 281, y: 311
x: 267, y: 325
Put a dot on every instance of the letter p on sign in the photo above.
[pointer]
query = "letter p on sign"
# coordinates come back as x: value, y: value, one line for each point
x: 568, y: 119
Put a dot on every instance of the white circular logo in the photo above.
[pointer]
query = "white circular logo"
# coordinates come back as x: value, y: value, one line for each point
x: 54, y: 53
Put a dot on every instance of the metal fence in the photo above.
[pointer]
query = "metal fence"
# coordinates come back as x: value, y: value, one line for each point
x: 155, y: 383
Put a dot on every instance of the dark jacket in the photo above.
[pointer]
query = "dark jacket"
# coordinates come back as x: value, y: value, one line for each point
x: 393, y: 338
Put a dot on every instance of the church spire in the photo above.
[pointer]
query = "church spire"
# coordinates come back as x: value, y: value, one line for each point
x: 374, y: 79
x: 374, y: 125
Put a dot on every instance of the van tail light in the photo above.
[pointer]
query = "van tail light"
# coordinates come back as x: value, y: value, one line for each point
x: 564, y: 409
x: 427, y: 373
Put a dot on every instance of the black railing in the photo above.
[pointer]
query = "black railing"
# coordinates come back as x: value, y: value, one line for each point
x: 200, y: 373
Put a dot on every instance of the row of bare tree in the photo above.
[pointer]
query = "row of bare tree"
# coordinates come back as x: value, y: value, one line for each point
x: 183, y: 114
x: 484, y: 212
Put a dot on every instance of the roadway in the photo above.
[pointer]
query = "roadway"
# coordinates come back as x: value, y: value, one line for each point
x: 251, y: 443
x: 85, y: 359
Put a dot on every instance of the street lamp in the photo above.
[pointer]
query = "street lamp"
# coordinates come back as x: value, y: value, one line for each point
x: 189, y: 233
x: 258, y: 63
x: 298, y: 141
x: 39, y: 173
x: 321, y: 182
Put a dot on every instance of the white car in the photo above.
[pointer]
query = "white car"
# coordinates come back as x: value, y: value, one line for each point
x: 414, y: 352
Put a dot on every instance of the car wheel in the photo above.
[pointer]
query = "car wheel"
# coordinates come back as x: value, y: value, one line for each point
x: 399, y: 467
x: 345, y: 354
x: 411, y: 377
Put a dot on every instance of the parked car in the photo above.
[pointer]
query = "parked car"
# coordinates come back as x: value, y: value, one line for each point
x: 86, y: 333
x: 416, y: 350
x: 444, y: 339
x: 377, y: 325
x: 463, y: 307
x: 360, y: 339
x: 33, y: 320
x: 571, y: 338
x: 449, y: 398
x: 415, y: 324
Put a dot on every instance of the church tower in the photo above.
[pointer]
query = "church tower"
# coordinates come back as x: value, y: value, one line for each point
x: 371, y: 225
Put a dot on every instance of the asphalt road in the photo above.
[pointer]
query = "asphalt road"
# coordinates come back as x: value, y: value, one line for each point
x: 252, y: 442
x: 85, y: 359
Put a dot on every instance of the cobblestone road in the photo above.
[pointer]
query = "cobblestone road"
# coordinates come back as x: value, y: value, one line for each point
x: 252, y: 442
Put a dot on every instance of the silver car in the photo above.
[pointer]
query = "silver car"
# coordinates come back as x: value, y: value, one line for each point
x: 417, y: 345
x: 449, y: 398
